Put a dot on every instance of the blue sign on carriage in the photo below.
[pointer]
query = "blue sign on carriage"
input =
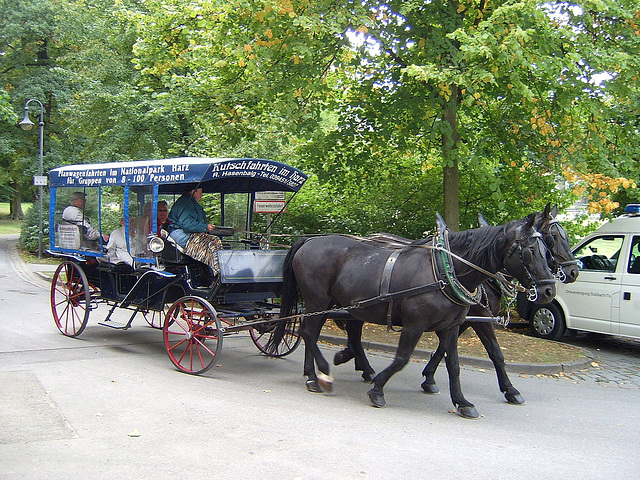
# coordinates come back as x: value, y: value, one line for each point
x: 240, y: 171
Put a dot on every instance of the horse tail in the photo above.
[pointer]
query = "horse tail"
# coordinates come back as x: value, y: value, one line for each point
x: 289, y: 299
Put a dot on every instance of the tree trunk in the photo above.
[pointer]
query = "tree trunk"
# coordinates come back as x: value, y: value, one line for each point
x: 15, y: 207
x: 451, y: 174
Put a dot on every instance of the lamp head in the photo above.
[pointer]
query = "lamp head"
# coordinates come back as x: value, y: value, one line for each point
x: 26, y: 123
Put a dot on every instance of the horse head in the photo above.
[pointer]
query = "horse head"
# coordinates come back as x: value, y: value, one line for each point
x: 527, y: 260
x: 562, y: 261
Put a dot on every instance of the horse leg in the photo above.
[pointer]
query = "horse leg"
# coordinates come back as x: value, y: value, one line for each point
x: 487, y: 335
x: 344, y: 355
x: 449, y: 339
x: 429, y: 372
x: 355, y: 350
x: 310, y: 370
x: 310, y: 332
x: 408, y: 340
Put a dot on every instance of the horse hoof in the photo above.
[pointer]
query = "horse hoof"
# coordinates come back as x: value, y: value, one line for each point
x: 343, y: 356
x: 313, y: 386
x: 325, y: 382
x: 514, y: 398
x: 367, y: 377
x: 430, y: 388
x: 468, y: 412
x: 377, y: 399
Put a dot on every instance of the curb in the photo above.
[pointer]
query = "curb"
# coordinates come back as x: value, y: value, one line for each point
x: 526, y: 368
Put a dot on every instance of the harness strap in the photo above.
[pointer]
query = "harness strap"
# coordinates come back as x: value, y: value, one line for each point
x: 409, y: 292
x: 384, y: 285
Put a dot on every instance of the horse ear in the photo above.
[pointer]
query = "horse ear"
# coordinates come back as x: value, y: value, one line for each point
x: 530, y: 220
x: 482, y: 221
x: 554, y: 211
x: 440, y: 223
x: 547, y: 209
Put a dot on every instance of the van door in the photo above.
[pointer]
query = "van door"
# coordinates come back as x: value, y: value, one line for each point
x: 629, y: 323
x: 593, y: 300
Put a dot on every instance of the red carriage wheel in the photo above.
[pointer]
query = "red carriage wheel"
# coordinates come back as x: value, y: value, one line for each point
x: 192, y: 335
x: 262, y: 336
x: 70, y: 299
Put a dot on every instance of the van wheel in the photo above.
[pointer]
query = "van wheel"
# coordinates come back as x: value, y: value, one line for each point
x: 547, y: 322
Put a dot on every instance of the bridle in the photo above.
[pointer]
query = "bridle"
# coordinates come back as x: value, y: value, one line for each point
x: 549, y: 240
x: 526, y: 258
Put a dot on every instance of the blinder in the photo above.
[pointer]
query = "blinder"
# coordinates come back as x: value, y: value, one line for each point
x: 526, y: 256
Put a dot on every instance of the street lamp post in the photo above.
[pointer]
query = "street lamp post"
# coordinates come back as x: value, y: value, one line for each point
x: 27, y: 124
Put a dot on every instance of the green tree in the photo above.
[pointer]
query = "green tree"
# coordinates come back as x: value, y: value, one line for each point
x: 28, y: 69
x: 501, y: 96
x: 246, y: 75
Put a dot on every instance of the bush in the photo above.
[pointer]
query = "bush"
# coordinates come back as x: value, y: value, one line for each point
x: 29, y: 232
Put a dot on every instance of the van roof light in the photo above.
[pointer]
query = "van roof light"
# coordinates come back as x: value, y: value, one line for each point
x: 632, y: 209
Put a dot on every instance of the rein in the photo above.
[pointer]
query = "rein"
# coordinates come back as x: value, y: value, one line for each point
x: 398, y: 245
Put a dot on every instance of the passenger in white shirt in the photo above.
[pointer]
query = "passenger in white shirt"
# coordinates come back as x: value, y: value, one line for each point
x: 117, y: 251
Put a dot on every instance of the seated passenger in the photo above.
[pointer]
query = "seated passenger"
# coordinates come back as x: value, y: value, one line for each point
x: 143, y: 225
x: 74, y: 214
x: 163, y: 216
x: 188, y: 227
x: 117, y: 251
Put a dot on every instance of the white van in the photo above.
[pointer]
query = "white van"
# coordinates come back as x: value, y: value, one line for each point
x: 606, y: 296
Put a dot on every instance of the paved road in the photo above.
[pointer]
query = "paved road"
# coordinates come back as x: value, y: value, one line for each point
x: 616, y: 360
x: 110, y: 405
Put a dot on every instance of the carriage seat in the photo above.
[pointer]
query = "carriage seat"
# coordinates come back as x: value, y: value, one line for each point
x: 119, y: 267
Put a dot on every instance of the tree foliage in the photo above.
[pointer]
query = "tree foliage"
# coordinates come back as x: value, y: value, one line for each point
x: 505, y: 96
x: 397, y: 109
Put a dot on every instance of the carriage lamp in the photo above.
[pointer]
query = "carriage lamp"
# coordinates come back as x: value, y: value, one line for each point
x: 27, y: 124
x: 156, y: 245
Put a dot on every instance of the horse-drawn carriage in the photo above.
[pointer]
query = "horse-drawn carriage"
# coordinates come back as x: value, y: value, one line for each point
x: 420, y: 286
x: 194, y: 304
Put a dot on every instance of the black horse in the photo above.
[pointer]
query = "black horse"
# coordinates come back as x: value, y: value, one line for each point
x: 561, y: 261
x: 438, y: 277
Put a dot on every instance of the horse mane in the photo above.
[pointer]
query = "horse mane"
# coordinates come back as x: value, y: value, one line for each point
x: 479, y: 245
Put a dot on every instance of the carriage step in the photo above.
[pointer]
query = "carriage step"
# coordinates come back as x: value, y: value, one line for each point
x: 116, y: 325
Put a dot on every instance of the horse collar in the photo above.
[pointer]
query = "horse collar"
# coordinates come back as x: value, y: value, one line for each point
x: 443, y: 270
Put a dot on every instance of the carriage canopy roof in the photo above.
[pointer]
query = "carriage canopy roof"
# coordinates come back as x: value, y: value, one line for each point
x: 174, y: 175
